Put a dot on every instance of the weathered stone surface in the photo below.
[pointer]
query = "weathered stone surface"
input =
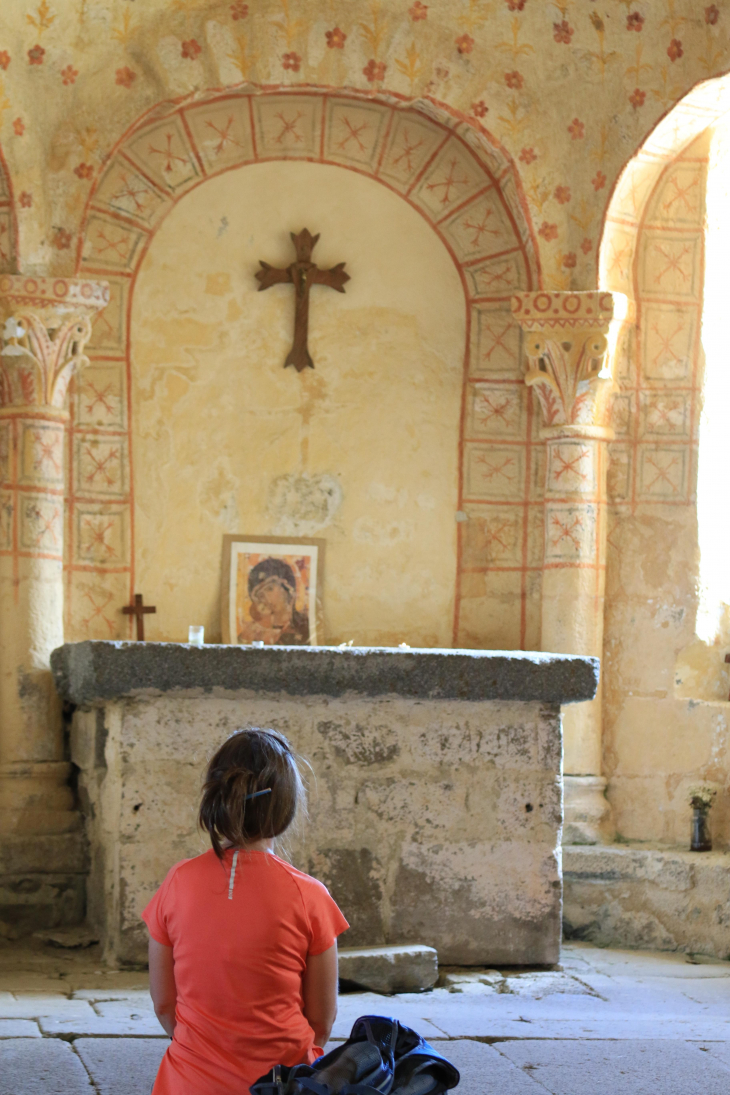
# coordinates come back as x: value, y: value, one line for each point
x: 624, y: 896
x: 432, y: 822
x: 46, y: 1067
x: 631, y: 1067
x: 390, y: 969
x: 91, y: 672
x: 121, y: 1066
x: 483, y: 1068
x: 18, y: 1028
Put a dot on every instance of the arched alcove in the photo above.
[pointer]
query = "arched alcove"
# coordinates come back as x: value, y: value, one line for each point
x: 461, y: 186
x: 658, y: 740
x: 362, y: 450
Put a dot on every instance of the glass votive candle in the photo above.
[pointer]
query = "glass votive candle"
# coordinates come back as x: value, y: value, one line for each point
x: 257, y: 644
x: 196, y: 635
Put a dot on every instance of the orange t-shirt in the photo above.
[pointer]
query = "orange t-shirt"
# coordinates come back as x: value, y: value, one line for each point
x: 240, y: 946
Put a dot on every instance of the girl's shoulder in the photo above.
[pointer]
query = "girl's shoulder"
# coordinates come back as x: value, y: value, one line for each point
x: 195, y: 865
x: 304, y: 882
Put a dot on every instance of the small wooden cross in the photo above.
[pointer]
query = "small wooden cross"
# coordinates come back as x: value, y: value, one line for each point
x: 140, y: 610
x: 303, y: 274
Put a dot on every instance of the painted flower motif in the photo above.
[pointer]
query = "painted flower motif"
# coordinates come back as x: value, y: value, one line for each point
x: 61, y: 239
x: 570, y: 260
x: 4, y: 59
x: 84, y: 171
x: 36, y: 55
x: 465, y: 43
x: 577, y: 130
x: 514, y: 80
x: 548, y: 231
x: 69, y: 74
x: 598, y: 181
x: 191, y: 49
x: 563, y: 32
x: 637, y: 98
x: 125, y: 76
x: 528, y: 155
x: 18, y: 127
x: 674, y: 50
x: 562, y: 194
x: 239, y: 10
x: 418, y: 11
x: 479, y: 110
x: 374, y: 71
x: 634, y: 21
x: 25, y: 199
x: 335, y: 38
x: 586, y: 246
x: 712, y: 14
x: 291, y: 61
x: 516, y: 5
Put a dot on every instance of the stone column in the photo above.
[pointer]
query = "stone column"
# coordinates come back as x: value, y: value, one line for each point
x: 44, y: 326
x: 570, y: 341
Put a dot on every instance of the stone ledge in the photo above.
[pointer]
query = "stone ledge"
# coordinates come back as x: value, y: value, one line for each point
x: 89, y: 673
x: 647, y: 897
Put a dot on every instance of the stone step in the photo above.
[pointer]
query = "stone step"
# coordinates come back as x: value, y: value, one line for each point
x: 410, y: 968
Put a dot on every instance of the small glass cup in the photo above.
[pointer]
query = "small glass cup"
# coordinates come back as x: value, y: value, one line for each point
x: 257, y: 644
x: 196, y: 635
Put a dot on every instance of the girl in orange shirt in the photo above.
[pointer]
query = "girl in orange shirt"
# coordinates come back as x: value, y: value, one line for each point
x: 243, y: 947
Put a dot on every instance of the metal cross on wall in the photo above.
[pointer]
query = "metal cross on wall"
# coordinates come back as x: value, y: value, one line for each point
x: 303, y: 274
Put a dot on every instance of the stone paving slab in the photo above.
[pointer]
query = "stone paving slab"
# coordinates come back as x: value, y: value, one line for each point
x: 47, y: 1067
x: 31, y: 1006
x: 126, y: 1009
x: 718, y: 1050
x: 19, y: 1028
x: 122, y: 1066
x: 629, y: 1067
x: 483, y: 1069
x: 98, y: 1027
x: 140, y: 996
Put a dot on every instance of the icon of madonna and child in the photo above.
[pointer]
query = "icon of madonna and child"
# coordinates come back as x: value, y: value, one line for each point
x: 273, y: 593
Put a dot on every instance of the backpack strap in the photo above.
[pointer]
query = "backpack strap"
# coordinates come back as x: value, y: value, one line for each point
x: 306, y: 1083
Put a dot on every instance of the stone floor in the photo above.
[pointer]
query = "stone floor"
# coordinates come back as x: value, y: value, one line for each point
x: 628, y: 1022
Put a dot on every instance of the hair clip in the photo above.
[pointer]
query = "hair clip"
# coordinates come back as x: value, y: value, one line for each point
x: 256, y: 794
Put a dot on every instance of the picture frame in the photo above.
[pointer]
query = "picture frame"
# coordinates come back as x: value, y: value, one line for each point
x: 271, y: 590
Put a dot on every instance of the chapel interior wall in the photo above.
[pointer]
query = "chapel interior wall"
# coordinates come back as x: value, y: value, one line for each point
x: 362, y: 451
x: 656, y: 742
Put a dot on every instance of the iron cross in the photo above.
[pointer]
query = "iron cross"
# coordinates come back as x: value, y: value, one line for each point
x: 303, y: 274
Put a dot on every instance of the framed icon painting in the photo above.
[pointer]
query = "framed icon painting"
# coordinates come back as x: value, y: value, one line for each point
x: 271, y: 590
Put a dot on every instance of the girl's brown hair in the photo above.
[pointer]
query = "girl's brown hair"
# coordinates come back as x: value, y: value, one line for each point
x: 250, y: 761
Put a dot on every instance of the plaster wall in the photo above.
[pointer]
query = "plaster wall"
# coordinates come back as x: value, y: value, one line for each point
x: 363, y: 451
x: 435, y: 822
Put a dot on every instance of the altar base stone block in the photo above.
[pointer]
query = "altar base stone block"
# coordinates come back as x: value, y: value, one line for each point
x: 436, y: 801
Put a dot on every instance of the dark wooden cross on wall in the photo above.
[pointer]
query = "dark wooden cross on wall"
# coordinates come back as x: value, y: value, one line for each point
x: 303, y: 274
x: 140, y: 610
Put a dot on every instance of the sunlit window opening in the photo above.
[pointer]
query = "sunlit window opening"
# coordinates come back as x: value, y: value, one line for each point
x: 713, y: 481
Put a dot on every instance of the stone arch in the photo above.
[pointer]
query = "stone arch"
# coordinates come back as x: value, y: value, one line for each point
x: 701, y: 108
x: 8, y: 225
x: 459, y: 180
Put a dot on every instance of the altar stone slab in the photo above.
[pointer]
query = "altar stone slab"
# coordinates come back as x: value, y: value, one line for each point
x: 435, y: 808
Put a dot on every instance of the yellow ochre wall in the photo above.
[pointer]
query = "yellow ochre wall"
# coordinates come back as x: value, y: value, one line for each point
x: 226, y: 440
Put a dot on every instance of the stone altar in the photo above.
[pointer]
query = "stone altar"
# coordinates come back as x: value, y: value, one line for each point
x: 435, y: 801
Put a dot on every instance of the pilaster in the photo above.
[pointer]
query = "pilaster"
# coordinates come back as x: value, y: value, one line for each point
x: 569, y: 342
x: 44, y: 326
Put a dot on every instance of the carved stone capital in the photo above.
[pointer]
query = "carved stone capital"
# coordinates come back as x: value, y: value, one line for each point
x: 45, y: 324
x: 570, y: 343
